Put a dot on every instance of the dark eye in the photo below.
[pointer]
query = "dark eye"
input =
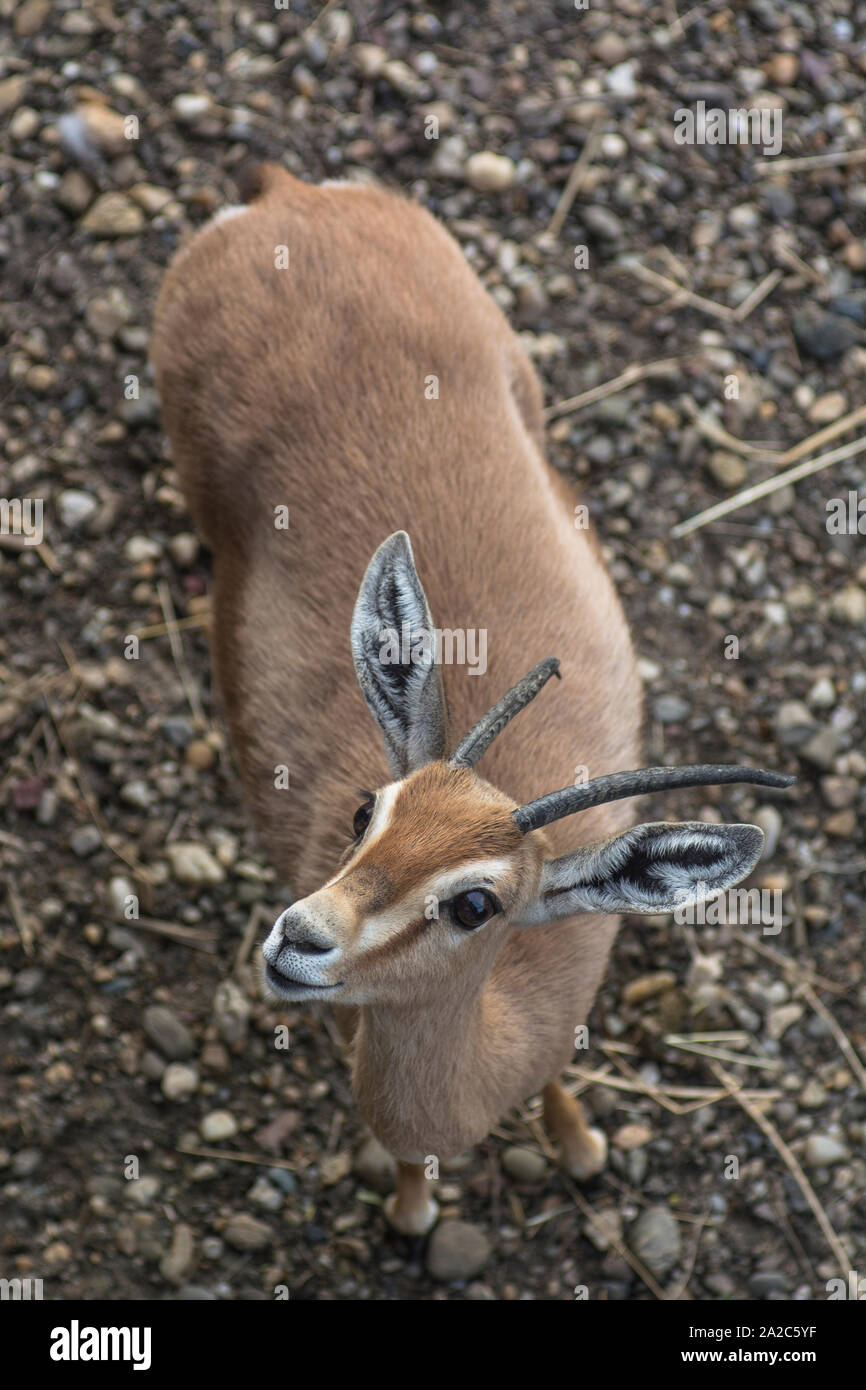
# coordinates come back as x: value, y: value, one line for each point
x: 473, y: 909
x: 362, y: 818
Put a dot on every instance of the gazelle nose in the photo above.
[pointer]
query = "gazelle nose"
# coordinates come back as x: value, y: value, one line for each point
x: 305, y: 937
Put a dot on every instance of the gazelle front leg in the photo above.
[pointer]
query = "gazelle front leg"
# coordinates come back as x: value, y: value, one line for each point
x: 411, y: 1210
x: 584, y: 1149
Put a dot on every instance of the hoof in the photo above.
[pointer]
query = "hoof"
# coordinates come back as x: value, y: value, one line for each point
x: 590, y: 1160
x: 415, y: 1222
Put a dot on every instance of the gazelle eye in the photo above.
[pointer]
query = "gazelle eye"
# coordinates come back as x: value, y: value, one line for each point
x: 362, y: 818
x: 473, y: 909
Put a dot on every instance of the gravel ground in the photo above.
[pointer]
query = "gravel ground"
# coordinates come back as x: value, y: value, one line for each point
x: 128, y: 1043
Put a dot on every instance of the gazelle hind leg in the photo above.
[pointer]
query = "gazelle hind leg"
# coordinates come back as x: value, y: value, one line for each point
x: 411, y: 1210
x: 584, y: 1149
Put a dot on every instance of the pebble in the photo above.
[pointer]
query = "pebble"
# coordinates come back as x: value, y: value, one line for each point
x: 620, y: 79
x: 489, y: 173
x: 768, y: 819
x: 190, y: 107
x: 822, y: 1152
x: 179, y: 1081
x: 113, y: 215
x: 648, y: 986
x: 849, y: 605
x: 655, y: 1239
x: 813, y: 1095
x: 828, y: 408
x: 821, y: 749
x: 457, y: 1251
x: 671, y: 709
x: 823, y: 335
x: 184, y: 549
x: 194, y: 865
x: 263, y: 1194
x: 142, y: 1191
x: 178, y: 1261
x: 794, y: 723
x: 632, y: 1136
x: 839, y: 792
x: 334, y: 1167
x: 726, y: 469
x: 76, y: 507
x: 245, y: 1232
x: 375, y: 1167
x: 85, y: 841
x: 524, y: 1165
x: 231, y: 1012
x: 823, y: 694
x: 168, y: 1033
x: 218, y: 1125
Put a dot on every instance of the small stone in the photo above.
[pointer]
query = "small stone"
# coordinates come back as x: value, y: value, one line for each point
x: 369, y: 59
x: 190, y: 107
x: 632, y: 1136
x: 828, y: 408
x: 768, y: 819
x: 766, y: 1282
x: 840, y: 792
x: 334, y: 1167
x: 75, y: 192
x: 231, y: 1012
x: 113, y: 215
x: 179, y: 1081
x: 782, y: 69
x: 849, y: 605
x: 178, y: 1261
x: 655, y: 1239
x: 489, y: 173
x: 24, y: 123
x: 199, y: 755
x: 217, y: 1126
x: 813, y: 1095
x: 621, y: 80
x: 456, y: 1251
x: 76, y: 507
x: 647, y: 986
x: 193, y: 864
x: 602, y: 222
x: 12, y: 90
x: 142, y: 1191
x: 822, y: 1152
x: 263, y: 1194
x: 85, y: 841
x: 781, y: 1019
x: 375, y: 1167
x: 184, y: 549
x: 524, y: 1165
x: 794, y: 723
x: 671, y: 709
x: 726, y: 469
x: 821, y: 749
x: 823, y: 694
x: 168, y: 1033
x: 609, y: 48
x: 244, y: 1232
x: 842, y: 825
x: 30, y: 17
x: 823, y: 335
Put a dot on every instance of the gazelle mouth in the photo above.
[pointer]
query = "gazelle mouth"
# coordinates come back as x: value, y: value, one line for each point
x: 282, y: 984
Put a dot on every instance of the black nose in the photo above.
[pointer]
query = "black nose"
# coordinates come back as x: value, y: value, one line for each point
x: 307, y: 938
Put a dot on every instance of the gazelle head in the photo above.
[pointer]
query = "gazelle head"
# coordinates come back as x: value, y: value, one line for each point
x: 442, y: 864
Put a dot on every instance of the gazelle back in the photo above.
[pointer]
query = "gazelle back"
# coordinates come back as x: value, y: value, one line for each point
x: 329, y: 351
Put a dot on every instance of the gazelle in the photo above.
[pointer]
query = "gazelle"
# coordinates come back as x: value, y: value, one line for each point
x: 366, y: 381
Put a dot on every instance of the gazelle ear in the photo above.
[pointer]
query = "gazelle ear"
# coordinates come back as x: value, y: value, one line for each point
x: 651, y: 868
x: 394, y: 650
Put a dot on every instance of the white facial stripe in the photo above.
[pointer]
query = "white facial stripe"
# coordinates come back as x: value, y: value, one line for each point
x: 381, y: 817
x: 439, y: 887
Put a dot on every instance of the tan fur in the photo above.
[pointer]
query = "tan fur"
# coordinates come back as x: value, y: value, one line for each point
x: 305, y: 387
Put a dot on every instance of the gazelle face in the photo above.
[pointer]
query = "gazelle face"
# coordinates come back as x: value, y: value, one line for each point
x: 443, y: 864
x: 437, y: 872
